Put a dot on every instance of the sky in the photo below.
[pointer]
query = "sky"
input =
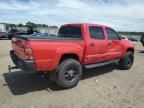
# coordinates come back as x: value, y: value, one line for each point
x: 122, y: 15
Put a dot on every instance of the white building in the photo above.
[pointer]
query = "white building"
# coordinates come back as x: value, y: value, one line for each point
x: 22, y: 28
x: 50, y: 29
x: 53, y: 30
x: 2, y: 27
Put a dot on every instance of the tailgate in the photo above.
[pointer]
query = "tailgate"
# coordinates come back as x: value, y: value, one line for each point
x: 18, y: 46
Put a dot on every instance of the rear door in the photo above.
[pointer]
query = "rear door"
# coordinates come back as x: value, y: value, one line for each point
x: 115, y: 47
x: 97, y: 45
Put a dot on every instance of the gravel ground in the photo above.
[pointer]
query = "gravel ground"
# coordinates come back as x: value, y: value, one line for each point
x: 103, y: 87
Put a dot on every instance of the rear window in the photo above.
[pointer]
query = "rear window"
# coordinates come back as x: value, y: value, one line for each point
x: 70, y: 32
x: 96, y: 33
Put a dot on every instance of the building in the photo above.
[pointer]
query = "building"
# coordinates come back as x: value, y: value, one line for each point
x: 2, y: 27
x: 53, y: 30
x: 50, y: 29
x: 22, y: 28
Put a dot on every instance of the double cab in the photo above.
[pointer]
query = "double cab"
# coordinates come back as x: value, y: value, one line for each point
x: 76, y: 46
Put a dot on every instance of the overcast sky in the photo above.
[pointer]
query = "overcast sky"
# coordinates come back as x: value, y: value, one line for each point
x: 123, y: 15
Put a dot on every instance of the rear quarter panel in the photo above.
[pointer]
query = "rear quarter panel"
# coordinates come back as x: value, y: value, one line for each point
x: 47, y: 54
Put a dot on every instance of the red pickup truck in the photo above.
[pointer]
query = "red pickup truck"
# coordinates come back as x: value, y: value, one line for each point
x: 75, y: 46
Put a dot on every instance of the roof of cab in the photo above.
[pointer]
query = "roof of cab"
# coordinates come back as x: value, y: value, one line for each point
x: 89, y: 24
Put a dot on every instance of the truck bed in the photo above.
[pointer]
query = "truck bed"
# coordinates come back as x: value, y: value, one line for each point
x: 44, y: 37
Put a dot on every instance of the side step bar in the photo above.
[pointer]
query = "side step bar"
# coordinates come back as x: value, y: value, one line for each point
x: 101, y: 64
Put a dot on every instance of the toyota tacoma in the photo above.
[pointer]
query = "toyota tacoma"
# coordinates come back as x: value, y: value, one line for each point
x: 76, y: 46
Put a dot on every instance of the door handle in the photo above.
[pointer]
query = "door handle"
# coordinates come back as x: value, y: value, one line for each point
x: 91, y: 44
x: 109, y: 43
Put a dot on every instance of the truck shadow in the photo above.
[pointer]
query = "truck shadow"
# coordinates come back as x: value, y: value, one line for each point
x: 21, y: 83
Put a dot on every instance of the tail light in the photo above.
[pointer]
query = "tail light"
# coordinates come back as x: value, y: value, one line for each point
x: 24, y: 45
x: 28, y: 51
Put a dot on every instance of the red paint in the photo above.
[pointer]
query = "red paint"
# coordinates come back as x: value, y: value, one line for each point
x: 47, y: 53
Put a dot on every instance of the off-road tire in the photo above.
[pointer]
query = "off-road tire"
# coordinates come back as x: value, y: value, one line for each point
x: 126, y: 62
x: 65, y: 69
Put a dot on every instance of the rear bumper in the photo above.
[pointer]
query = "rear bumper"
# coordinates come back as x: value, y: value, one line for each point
x: 26, y: 65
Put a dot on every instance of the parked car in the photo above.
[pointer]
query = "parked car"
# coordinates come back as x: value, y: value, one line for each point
x: 3, y: 35
x: 16, y: 32
x: 124, y: 37
x: 76, y: 46
x: 142, y: 40
x: 132, y: 39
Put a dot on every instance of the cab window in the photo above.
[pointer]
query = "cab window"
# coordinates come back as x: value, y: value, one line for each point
x: 96, y: 33
x: 70, y: 32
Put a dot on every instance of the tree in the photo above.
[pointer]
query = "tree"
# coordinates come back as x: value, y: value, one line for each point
x: 30, y: 24
x: 10, y: 26
x: 20, y: 25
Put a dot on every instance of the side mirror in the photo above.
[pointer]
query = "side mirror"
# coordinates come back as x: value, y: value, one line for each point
x: 124, y: 37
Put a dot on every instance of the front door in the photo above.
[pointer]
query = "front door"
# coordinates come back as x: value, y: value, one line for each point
x: 115, y: 47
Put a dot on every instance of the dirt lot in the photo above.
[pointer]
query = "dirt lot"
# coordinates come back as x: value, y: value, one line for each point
x: 104, y: 87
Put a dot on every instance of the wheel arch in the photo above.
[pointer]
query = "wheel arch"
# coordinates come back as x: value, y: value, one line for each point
x: 69, y: 56
x: 130, y: 49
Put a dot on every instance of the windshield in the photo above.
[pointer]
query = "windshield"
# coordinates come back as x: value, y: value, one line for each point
x: 70, y: 32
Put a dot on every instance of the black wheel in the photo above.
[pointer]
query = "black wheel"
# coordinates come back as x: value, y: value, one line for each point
x: 127, y: 62
x: 68, y: 73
